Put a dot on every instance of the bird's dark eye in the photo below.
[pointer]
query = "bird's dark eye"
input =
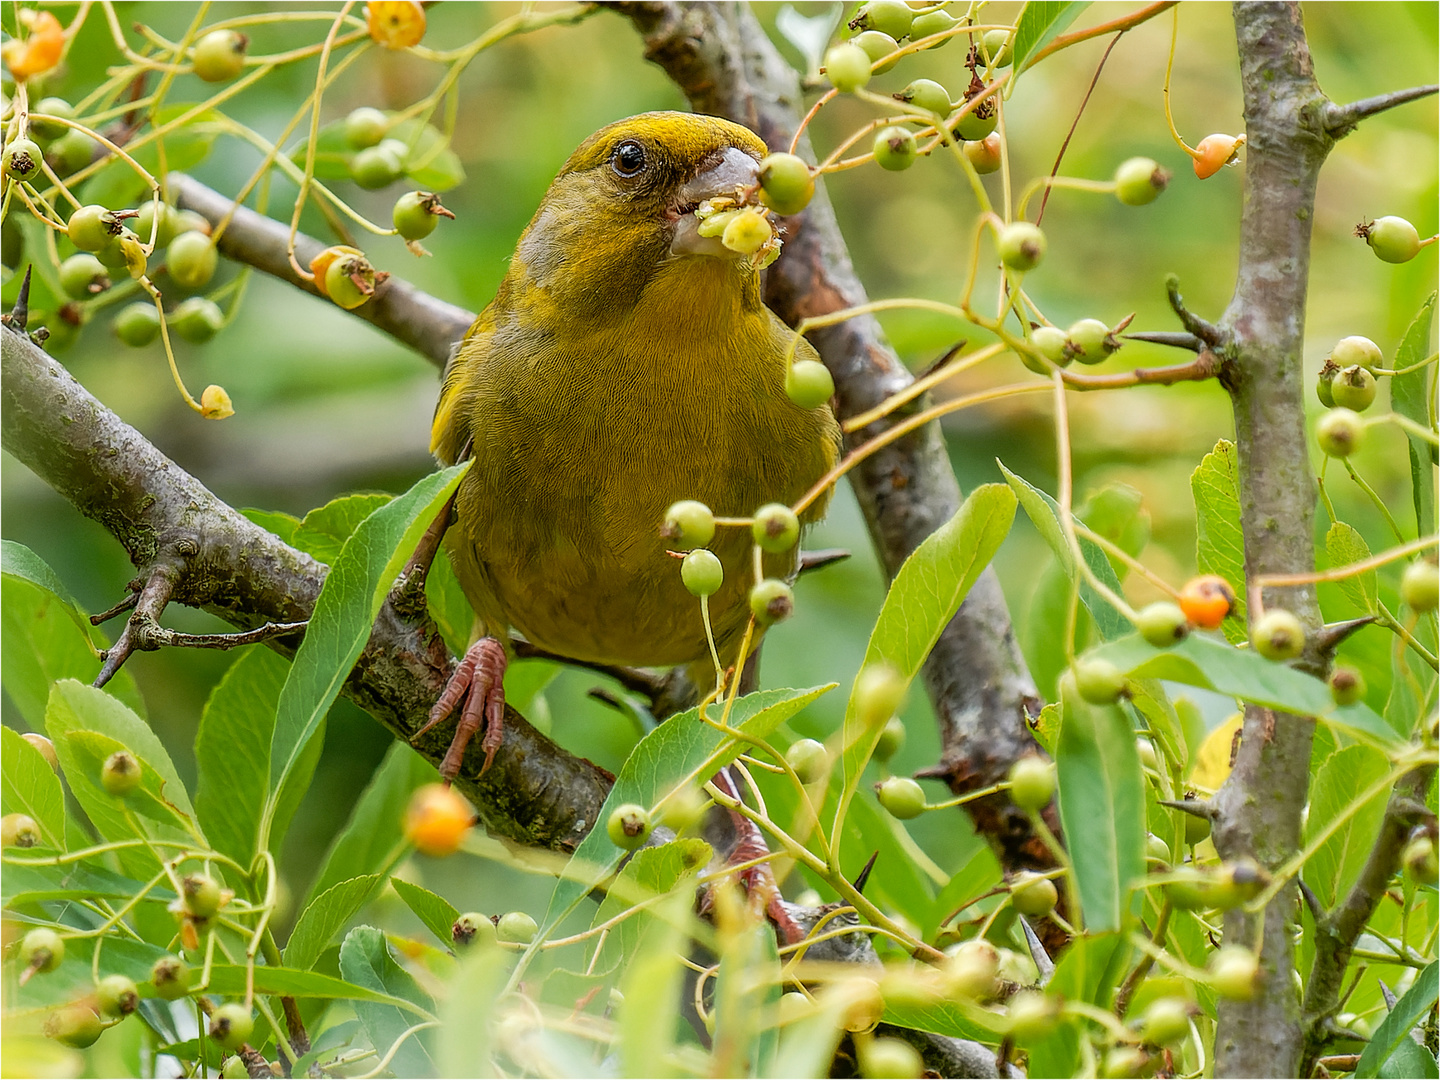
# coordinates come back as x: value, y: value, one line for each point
x: 628, y: 159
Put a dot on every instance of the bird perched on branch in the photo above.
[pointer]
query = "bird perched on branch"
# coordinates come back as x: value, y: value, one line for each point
x: 626, y: 362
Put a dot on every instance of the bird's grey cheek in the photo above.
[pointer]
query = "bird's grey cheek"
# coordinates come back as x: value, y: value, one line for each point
x: 540, y: 248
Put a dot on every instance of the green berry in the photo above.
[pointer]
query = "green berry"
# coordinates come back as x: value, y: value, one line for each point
x: 75, y: 1025
x: 1124, y: 1063
x: 1032, y: 1015
x: 995, y: 47
x: 1033, y: 895
x: 376, y: 167
x: 1278, y: 635
x: 1420, y: 585
x: 473, y: 928
x: 1420, y: 859
x: 121, y: 774
x: 684, y: 809
x: 878, y: 694
x: 1149, y: 760
x: 234, y: 1068
x: 771, y: 601
x: 50, y: 106
x: 416, y: 214
x: 191, y: 260
x: 702, y: 573
x: 979, y: 122
x: 878, y: 46
x: 83, y: 276
x: 145, y: 222
x: 847, y: 66
x: 1090, y: 341
x: 231, y: 1025
x: 41, y: 951
x: 1233, y: 972
x: 1139, y: 181
x: 902, y: 797
x: 191, y: 221
x: 19, y: 830
x: 809, y: 384
x: 1022, y: 246
x: 92, y: 227
x: 365, y: 127
x: 517, y: 927
x: 220, y: 55
x: 1050, y: 340
x: 1357, y: 350
x: 1325, y: 384
x: 197, y: 320
x: 786, y: 184
x: 201, y: 894
x: 1032, y: 783
x: 21, y: 159
x: 688, y: 524
x: 892, y: 739
x: 1353, y: 388
x: 972, y: 969
x: 628, y: 826
x: 350, y: 281
x: 809, y: 760
x: 892, y: 17
x: 1156, y: 850
x: 1393, y: 239
x: 137, y: 324
x: 895, y: 148
x: 888, y: 1058
x: 926, y: 94
x: 71, y: 152
x: 775, y: 528
x: 116, y: 995
x: 124, y: 252
x: 1098, y: 681
x: 1347, y: 686
x: 1196, y: 828
x: 1340, y: 432
x: 171, y: 978
x: 933, y: 22
x: 1163, y: 624
x: 1165, y: 1021
x: 983, y: 154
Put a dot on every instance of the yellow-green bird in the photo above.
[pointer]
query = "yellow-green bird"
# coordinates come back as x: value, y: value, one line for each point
x: 626, y: 363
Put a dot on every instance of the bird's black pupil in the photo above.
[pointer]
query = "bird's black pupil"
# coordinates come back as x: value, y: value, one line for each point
x: 629, y: 158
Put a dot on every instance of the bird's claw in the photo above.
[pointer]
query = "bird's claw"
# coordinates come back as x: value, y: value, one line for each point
x: 480, y: 681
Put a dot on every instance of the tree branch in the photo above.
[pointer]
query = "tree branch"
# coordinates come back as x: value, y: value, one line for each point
x: 1340, y: 120
x: 196, y: 550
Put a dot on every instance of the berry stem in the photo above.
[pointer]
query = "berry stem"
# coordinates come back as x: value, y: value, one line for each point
x: 1374, y: 498
x: 1169, y: 66
x: 1121, y: 24
x: 1340, y: 573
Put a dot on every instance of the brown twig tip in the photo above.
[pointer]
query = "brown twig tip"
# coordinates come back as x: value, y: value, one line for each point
x: 18, y: 316
x: 1207, y: 332
x: 864, y: 875
x: 1340, y: 120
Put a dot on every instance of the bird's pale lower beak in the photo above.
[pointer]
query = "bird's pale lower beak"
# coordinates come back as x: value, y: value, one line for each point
x: 735, y: 170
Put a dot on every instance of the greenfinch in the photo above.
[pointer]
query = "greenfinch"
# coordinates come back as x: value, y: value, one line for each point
x: 627, y: 362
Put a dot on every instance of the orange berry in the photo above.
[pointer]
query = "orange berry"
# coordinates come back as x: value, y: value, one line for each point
x: 41, y: 49
x: 1207, y: 600
x: 436, y: 819
x: 1216, y: 151
x: 395, y: 24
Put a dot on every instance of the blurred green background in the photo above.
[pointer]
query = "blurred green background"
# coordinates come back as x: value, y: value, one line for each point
x: 325, y: 406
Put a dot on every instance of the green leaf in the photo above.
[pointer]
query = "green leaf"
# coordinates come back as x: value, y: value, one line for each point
x: 435, y: 912
x: 1039, y: 24
x: 16, y: 560
x: 1343, y: 546
x: 979, y: 873
x: 807, y: 1047
x: 927, y: 590
x: 278, y: 522
x: 464, y: 1039
x: 650, y: 872
x: 1044, y: 514
x: 324, y: 530
x: 1410, y: 1061
x: 1408, y: 1011
x: 1203, y: 661
x: 118, y: 184
x: 747, y: 1001
x: 1102, y: 806
x: 1219, y: 542
x: 1117, y: 512
x: 681, y: 751
x: 29, y: 786
x: 431, y: 163
x: 955, y: 1018
x: 326, y: 916
x: 229, y: 980
x: 651, y: 986
x: 1042, y: 634
x: 73, y: 881
x: 232, y: 752
x: 365, y: 960
x: 1410, y: 396
x: 1080, y: 975
x: 90, y: 750
x: 370, y: 841
x: 340, y: 625
x: 452, y: 612
x: 1336, y: 864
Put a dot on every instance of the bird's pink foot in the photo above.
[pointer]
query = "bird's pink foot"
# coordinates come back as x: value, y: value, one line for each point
x: 480, y: 681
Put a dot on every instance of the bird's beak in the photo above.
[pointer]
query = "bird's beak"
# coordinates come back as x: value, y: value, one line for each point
x: 735, y: 169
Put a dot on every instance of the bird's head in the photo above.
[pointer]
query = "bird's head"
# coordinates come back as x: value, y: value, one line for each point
x: 623, y: 204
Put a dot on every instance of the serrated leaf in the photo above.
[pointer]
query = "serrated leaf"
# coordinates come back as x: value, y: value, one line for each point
x: 365, y: 960
x: 1102, y: 806
x: 340, y: 624
x: 370, y: 990
x: 650, y: 872
x: 1406, y: 1013
x: 326, y: 916
x: 323, y: 531
x: 1343, y: 546
x: 437, y: 913
x: 1219, y: 541
x: 1410, y: 396
x: 1039, y: 24
x: 29, y: 786
x: 1337, y: 862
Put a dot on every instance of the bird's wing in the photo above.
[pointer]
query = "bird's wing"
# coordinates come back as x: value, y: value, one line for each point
x: 450, y: 433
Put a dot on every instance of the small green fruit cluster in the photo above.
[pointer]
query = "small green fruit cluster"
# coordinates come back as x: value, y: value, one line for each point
x: 473, y: 928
